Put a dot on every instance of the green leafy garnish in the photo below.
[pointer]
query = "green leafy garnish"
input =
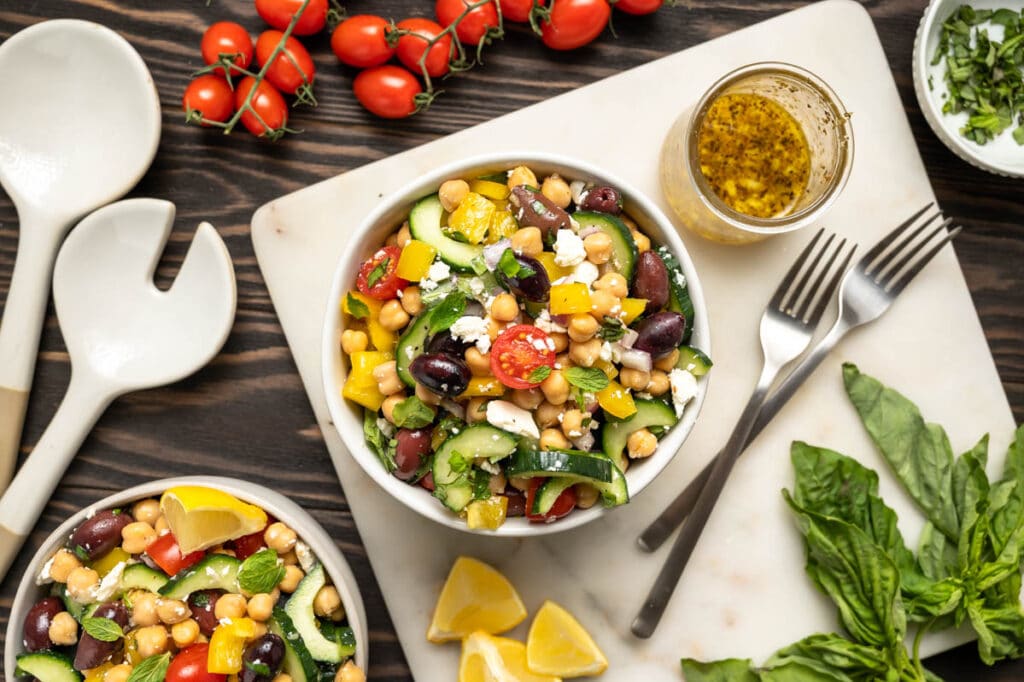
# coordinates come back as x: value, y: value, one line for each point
x: 260, y: 572
x: 356, y: 308
x: 380, y: 444
x: 447, y: 311
x: 378, y: 271
x: 512, y: 268
x: 151, y: 669
x: 412, y: 413
x: 458, y: 462
x: 539, y: 374
x: 258, y: 668
x: 590, y: 379
x: 611, y: 329
x: 103, y: 629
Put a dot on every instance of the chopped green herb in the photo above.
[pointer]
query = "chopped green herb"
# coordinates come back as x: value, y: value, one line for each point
x: 412, y: 413
x: 512, y: 267
x: 379, y: 271
x: 261, y: 572
x: 152, y: 669
x: 378, y: 442
x: 259, y: 668
x: 445, y: 314
x: 539, y: 374
x: 589, y: 379
x: 103, y: 629
x: 611, y: 329
x: 356, y: 308
x: 458, y: 462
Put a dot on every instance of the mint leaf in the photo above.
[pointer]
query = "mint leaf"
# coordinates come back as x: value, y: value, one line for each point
x: 590, y: 379
x: 261, y: 572
x: 152, y: 669
x: 261, y: 669
x: 458, y: 462
x: 356, y: 308
x: 378, y: 443
x: 511, y: 266
x: 445, y: 314
x: 412, y: 413
x: 611, y: 329
x: 539, y: 374
x: 379, y: 271
x: 103, y: 629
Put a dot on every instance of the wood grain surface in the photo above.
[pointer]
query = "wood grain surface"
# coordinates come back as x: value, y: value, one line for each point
x: 247, y: 415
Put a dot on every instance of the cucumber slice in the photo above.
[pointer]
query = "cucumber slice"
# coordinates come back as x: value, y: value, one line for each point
x: 342, y: 634
x: 142, y: 577
x: 297, y: 663
x: 453, y: 461
x: 411, y: 345
x: 548, y: 492
x: 47, y: 666
x: 624, y: 251
x: 615, y: 434
x: 425, y: 225
x: 300, y: 609
x: 615, y: 493
x: 694, y: 361
x: 213, y: 572
x: 530, y: 462
x: 60, y: 591
x: 678, y: 292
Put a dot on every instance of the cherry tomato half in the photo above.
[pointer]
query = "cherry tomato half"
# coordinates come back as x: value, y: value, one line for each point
x: 639, y: 7
x: 519, y: 10
x: 283, y: 73
x: 279, y: 13
x: 474, y: 25
x: 189, y: 665
x: 226, y: 38
x: 574, y: 23
x: 267, y: 103
x: 377, y: 278
x: 518, y: 352
x: 411, y: 47
x: 387, y: 91
x: 247, y: 545
x: 167, y: 555
x: 211, y: 97
x: 564, y: 503
x: 360, y: 41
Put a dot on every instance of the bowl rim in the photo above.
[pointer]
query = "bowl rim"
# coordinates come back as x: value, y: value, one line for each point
x: 282, y: 507
x: 333, y: 370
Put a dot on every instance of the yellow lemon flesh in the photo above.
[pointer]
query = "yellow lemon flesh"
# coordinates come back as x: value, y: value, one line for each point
x: 558, y: 645
x: 475, y: 597
x: 496, y: 659
x: 203, y: 517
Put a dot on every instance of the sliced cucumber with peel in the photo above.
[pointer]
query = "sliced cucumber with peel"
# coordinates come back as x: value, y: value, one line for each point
x: 213, y: 572
x: 300, y: 610
x: 298, y: 663
x: 454, y: 458
x: 614, y: 434
x: 411, y: 345
x: 425, y: 225
x: 548, y: 492
x: 142, y: 577
x: 529, y: 462
x: 624, y: 251
x: 694, y: 361
x: 47, y: 666
x: 678, y: 290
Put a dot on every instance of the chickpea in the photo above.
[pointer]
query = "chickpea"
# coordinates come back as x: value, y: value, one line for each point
x: 290, y: 558
x: 280, y: 537
x: 81, y: 582
x: 152, y: 640
x: 63, y: 629
x: 392, y: 240
x: 404, y: 236
x: 668, y: 362
x: 386, y: 375
x: 560, y: 339
x: 641, y: 444
x: 427, y: 396
x: 282, y: 677
x: 494, y: 328
x: 144, y: 608
x: 614, y: 283
x: 527, y: 242
x: 659, y: 383
x: 229, y: 606
x: 350, y: 672
x: 521, y: 175
x: 354, y: 341
x: 547, y: 414
x: 629, y: 222
x: 476, y: 409
x: 388, y: 406
x: 479, y: 363
x: 260, y: 606
x: 496, y: 483
x: 527, y: 398
x: 172, y: 611
x: 586, y: 495
x: 585, y: 354
x: 504, y: 308
x: 147, y: 511
x: 556, y: 189
x: 598, y: 247
x: 552, y: 439
x: 604, y: 303
x: 642, y: 242
x: 393, y: 316
x: 520, y: 483
x: 292, y: 576
x: 636, y: 379
x: 137, y: 536
x: 412, y: 301
x: 572, y: 423
x: 326, y: 601
x: 224, y: 551
x: 161, y: 526
x: 555, y: 388
x: 63, y: 563
x: 184, y: 633
x: 582, y: 327
x: 119, y: 673
x: 451, y: 193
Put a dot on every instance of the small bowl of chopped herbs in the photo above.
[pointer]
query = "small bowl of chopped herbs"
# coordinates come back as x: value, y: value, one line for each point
x: 969, y: 79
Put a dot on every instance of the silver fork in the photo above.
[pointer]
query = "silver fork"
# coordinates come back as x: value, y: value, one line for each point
x: 787, y: 327
x: 868, y: 290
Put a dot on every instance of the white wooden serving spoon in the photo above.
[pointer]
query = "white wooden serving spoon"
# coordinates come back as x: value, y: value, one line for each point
x: 122, y: 333
x: 79, y: 126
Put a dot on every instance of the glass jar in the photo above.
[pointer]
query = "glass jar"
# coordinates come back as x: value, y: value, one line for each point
x: 829, y: 136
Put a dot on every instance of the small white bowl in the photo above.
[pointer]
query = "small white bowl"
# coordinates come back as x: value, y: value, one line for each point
x: 309, y: 531
x: 389, y: 214
x: 1002, y: 156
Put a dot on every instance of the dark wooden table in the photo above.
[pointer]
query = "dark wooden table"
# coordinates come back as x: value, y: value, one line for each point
x: 247, y: 415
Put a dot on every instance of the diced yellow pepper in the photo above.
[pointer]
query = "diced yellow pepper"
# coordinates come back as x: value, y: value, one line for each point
x: 360, y: 386
x: 105, y: 564
x: 96, y: 674
x: 364, y: 361
x: 415, y: 260
x: 381, y: 338
x: 489, y: 188
x: 632, y: 308
x: 608, y: 368
x: 227, y: 645
x: 616, y: 400
x: 472, y: 218
x: 487, y: 514
x: 372, y: 304
x: 570, y: 298
x: 502, y: 225
x: 483, y: 386
x: 555, y: 271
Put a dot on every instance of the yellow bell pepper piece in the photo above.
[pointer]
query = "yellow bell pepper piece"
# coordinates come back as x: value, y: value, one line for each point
x: 472, y: 218
x: 487, y: 514
x: 632, y: 308
x: 96, y: 674
x: 105, y: 564
x: 415, y: 260
x: 616, y: 400
x: 360, y: 386
x: 555, y: 271
x: 610, y: 370
x: 227, y: 645
x: 363, y: 362
x: 570, y: 298
x: 483, y: 386
x: 502, y: 225
x: 489, y: 188
x: 381, y: 338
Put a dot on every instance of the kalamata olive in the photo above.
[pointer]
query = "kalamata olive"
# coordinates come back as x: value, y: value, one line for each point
x: 516, y: 504
x: 651, y: 281
x: 428, y: 481
x: 660, y: 333
x: 91, y: 652
x: 444, y: 342
x: 202, y: 604
x: 441, y: 373
x: 603, y: 200
x: 267, y: 651
x: 37, y: 623
x: 413, y: 446
x: 99, y: 534
x: 535, y: 287
x: 536, y: 210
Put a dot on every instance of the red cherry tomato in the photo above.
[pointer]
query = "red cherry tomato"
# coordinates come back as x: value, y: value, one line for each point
x: 377, y: 278
x: 283, y: 73
x: 411, y: 47
x: 564, y: 503
x: 279, y: 13
x: 519, y: 10
x: 247, y: 545
x: 574, y: 23
x: 638, y: 7
x: 164, y: 551
x: 360, y: 41
x: 518, y: 352
x: 189, y: 665
x: 267, y: 103
x: 226, y: 38
x: 474, y: 25
x: 210, y: 96
x: 387, y: 91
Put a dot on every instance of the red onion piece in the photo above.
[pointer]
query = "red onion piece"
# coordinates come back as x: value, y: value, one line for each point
x: 636, y: 359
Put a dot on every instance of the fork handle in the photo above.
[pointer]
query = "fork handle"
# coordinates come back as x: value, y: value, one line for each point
x: 12, y: 415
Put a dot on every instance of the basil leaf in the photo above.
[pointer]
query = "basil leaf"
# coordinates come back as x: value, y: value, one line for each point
x: 539, y: 374
x: 356, y: 308
x: 970, y: 482
x: 1006, y: 509
x: 508, y: 264
x: 413, y: 413
x: 103, y: 629
x: 446, y: 312
x: 727, y: 670
x: 590, y: 379
x: 1013, y: 467
x: 378, y: 271
x: 151, y: 669
x: 611, y: 329
x: 936, y: 554
x: 825, y: 657
x: 1000, y: 631
x: 378, y: 443
x: 260, y: 572
x: 939, y: 599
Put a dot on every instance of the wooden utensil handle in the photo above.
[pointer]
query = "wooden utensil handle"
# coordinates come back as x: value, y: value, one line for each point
x: 12, y: 415
x: 10, y: 545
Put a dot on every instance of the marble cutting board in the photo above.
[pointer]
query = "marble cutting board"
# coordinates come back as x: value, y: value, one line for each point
x: 745, y: 593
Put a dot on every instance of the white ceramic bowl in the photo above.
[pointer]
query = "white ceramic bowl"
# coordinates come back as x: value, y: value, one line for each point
x: 1002, y: 156
x: 311, y: 532
x: 389, y: 214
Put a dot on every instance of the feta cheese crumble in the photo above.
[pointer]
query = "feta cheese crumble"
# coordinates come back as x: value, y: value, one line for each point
x: 508, y: 417
x: 438, y: 272
x: 585, y: 273
x: 546, y: 324
x: 472, y: 329
x: 684, y: 388
x: 569, y: 250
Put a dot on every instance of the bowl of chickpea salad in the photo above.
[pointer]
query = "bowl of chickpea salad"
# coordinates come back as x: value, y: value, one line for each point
x: 517, y: 344
x: 191, y: 579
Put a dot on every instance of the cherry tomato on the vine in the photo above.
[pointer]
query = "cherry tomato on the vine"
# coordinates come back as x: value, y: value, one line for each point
x: 474, y: 25
x: 377, y: 278
x: 411, y: 47
x: 564, y: 503
x: 283, y: 73
x: 574, y: 23
x: 638, y: 7
x: 267, y: 103
x: 360, y: 41
x: 387, y: 91
x: 279, y: 13
x: 190, y: 665
x: 518, y: 353
x: 227, y: 38
x: 209, y: 96
x: 519, y: 10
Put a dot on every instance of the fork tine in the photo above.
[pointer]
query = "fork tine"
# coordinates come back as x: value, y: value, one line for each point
x: 783, y: 289
x: 798, y: 292
x: 812, y: 293
x: 826, y: 294
x: 885, y: 241
x: 882, y: 263
x: 896, y: 287
x: 887, y: 274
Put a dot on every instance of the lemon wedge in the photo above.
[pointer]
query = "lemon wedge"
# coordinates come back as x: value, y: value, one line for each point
x: 558, y: 645
x: 475, y: 597
x: 496, y: 659
x: 203, y: 517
